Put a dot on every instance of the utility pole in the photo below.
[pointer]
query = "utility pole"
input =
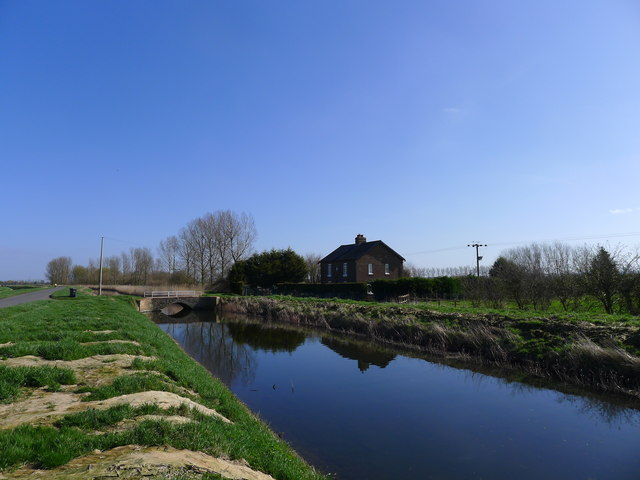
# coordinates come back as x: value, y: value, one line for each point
x: 101, y: 249
x: 478, y: 257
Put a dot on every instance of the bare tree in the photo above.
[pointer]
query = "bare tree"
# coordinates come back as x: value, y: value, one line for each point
x: 58, y: 270
x: 312, y: 261
x: 142, y: 263
x: 126, y: 267
x: 79, y: 275
x: 186, y: 254
x: 210, y: 244
x: 410, y: 270
x: 93, y: 271
x: 113, y: 266
x: 234, y: 236
x: 196, y: 244
x: 535, y: 283
x: 241, y: 234
x: 169, y: 251
x: 558, y: 265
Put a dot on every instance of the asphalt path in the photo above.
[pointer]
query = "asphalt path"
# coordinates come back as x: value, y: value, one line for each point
x: 28, y: 297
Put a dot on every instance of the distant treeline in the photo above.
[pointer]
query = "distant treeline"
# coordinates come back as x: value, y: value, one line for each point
x: 201, y: 253
x: 576, y: 277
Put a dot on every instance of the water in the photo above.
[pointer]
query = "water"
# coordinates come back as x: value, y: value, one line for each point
x: 364, y: 413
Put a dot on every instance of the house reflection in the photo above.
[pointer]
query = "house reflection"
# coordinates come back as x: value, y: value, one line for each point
x: 365, y: 355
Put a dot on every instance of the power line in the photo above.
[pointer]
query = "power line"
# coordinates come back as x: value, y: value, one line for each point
x: 504, y: 244
x: 125, y: 241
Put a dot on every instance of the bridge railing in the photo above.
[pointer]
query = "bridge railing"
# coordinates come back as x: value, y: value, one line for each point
x: 173, y: 293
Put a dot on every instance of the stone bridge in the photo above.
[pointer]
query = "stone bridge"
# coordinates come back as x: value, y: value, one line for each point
x: 155, y: 303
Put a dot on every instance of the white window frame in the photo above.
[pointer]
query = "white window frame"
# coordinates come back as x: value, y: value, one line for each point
x: 386, y: 269
x: 328, y: 270
x: 370, y: 269
x: 345, y: 269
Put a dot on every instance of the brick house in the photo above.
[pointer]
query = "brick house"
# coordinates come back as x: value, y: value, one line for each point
x: 361, y: 261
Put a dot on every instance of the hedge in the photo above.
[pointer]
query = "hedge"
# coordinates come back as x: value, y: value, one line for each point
x: 355, y: 291
x: 439, y: 287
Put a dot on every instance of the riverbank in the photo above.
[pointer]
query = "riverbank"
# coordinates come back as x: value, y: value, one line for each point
x: 602, y: 356
x: 91, y: 388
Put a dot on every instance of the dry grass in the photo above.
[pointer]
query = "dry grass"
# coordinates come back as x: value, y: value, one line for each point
x: 138, y: 290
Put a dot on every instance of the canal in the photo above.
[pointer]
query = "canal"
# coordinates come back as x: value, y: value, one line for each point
x: 362, y: 412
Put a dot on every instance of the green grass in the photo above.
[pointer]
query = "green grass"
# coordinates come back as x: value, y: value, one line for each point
x: 127, y: 384
x: 12, y: 291
x: 589, y: 311
x: 80, y: 292
x: 56, y: 329
x: 13, y: 378
x: 92, y: 419
x: 67, y: 349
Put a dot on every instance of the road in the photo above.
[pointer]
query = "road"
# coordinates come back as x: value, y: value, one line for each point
x: 28, y: 297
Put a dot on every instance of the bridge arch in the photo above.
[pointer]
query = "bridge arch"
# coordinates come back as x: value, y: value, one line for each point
x: 155, y: 304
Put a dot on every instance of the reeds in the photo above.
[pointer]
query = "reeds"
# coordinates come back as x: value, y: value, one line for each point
x: 138, y: 290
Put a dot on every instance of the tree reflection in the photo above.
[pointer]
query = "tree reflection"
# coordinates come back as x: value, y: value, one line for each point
x: 611, y: 413
x: 610, y: 409
x: 213, y: 346
x: 365, y: 354
x: 268, y: 338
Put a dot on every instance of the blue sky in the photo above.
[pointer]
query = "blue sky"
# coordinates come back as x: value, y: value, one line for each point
x: 426, y: 124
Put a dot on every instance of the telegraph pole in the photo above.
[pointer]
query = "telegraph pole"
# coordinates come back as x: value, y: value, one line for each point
x: 478, y: 257
x: 101, y: 249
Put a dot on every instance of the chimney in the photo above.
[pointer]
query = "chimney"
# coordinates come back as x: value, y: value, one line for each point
x: 360, y: 239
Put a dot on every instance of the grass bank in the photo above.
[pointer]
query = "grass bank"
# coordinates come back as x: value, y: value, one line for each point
x: 13, y: 290
x: 89, y: 384
x: 599, y: 355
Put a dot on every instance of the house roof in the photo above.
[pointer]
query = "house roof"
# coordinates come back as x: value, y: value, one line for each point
x: 353, y: 251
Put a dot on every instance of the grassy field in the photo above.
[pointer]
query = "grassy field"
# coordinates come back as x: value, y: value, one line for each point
x: 19, y: 290
x: 59, y: 339
x: 589, y: 312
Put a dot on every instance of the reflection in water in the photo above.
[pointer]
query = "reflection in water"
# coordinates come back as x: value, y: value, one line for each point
x: 267, y: 338
x: 409, y: 418
x: 227, y: 349
x: 213, y: 346
x: 610, y: 413
x: 365, y: 354
x: 175, y: 309
x: 608, y: 409
x: 186, y: 315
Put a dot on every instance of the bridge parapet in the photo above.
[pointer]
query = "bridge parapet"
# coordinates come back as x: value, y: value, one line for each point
x: 154, y: 304
x: 173, y: 293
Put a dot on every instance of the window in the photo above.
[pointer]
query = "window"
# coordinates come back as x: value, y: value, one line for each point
x: 371, y: 269
x: 344, y: 269
x: 386, y: 269
x: 328, y: 270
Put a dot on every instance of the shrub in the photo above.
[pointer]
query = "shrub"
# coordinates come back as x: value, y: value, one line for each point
x: 354, y: 291
x: 418, y: 287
